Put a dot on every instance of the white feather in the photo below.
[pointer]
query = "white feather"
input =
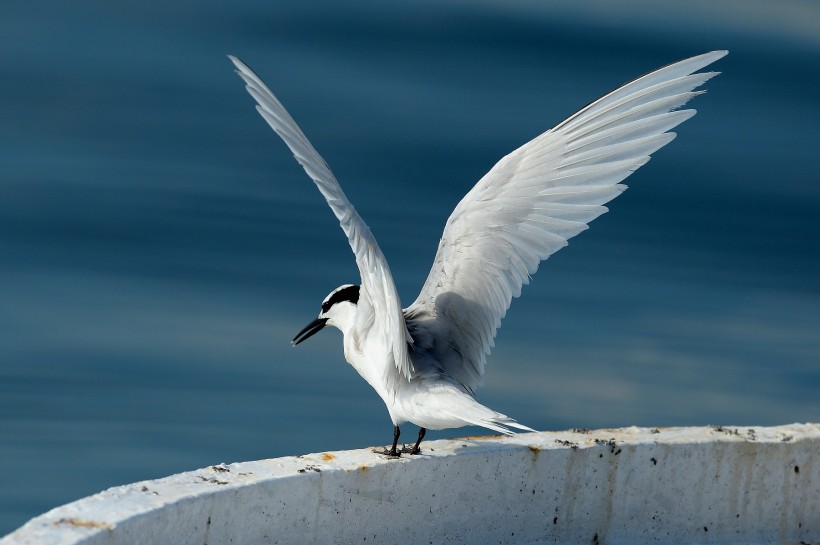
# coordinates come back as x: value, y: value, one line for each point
x: 534, y: 199
x: 377, y: 282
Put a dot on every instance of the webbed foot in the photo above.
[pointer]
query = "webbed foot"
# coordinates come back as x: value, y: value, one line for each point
x: 410, y: 449
x: 390, y: 453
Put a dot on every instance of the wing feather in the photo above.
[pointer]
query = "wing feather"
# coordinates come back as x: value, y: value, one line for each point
x: 535, y: 199
x: 377, y: 282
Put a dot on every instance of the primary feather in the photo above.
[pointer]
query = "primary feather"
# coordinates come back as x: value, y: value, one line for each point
x: 535, y: 199
x: 378, y: 287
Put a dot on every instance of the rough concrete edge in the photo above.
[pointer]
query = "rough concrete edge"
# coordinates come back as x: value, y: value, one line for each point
x: 91, y: 518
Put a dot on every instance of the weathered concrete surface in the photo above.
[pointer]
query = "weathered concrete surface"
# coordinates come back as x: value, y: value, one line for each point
x: 673, y: 485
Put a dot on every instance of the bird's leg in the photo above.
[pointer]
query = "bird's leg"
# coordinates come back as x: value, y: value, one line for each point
x: 416, y: 449
x: 392, y: 453
x: 396, y: 433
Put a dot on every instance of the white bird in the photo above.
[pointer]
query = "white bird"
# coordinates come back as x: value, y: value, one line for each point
x: 425, y: 361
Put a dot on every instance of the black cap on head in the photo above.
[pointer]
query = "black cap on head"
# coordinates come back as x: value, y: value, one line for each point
x: 344, y: 293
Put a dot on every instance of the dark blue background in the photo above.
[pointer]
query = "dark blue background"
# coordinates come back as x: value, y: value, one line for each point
x: 160, y: 246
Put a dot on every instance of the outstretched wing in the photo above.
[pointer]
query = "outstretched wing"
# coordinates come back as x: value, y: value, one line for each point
x: 534, y: 199
x: 377, y: 283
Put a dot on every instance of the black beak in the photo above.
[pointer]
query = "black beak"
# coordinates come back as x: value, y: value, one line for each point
x: 312, y: 329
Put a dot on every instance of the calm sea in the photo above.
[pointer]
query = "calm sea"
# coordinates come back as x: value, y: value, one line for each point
x: 160, y: 246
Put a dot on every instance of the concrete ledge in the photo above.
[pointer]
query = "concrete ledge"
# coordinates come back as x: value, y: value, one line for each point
x: 633, y: 485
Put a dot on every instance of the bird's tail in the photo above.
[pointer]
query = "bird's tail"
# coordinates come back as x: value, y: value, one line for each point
x: 500, y: 424
x: 477, y: 414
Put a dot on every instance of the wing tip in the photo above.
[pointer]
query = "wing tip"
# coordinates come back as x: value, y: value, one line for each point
x: 238, y: 64
x: 707, y: 58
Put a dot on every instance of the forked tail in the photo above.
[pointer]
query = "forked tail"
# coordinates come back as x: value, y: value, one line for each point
x: 500, y: 424
x: 477, y: 414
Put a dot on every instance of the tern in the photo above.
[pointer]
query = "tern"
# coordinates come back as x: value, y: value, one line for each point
x: 426, y: 361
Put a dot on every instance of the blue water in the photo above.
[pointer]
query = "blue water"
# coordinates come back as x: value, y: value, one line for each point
x: 160, y: 247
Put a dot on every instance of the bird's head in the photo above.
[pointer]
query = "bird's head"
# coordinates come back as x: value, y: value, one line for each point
x: 338, y: 310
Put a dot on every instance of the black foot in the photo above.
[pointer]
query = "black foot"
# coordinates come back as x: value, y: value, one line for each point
x: 393, y: 453
x: 387, y: 452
